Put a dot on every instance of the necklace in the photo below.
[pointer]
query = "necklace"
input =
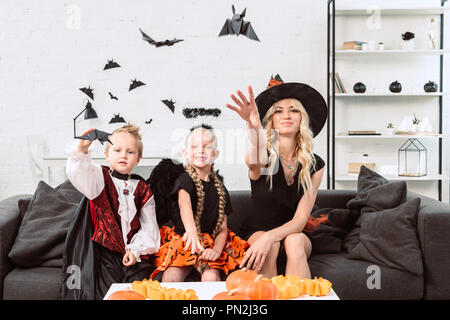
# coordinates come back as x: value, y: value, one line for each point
x: 292, y: 166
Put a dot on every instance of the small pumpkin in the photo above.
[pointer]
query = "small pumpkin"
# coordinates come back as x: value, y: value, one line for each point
x: 289, y: 286
x: 317, y: 287
x: 126, y: 294
x: 395, y: 87
x: 235, y: 278
x: 430, y: 86
x: 259, y: 289
x: 359, y: 87
x: 230, y: 295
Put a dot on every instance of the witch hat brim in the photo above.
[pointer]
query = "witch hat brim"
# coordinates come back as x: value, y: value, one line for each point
x: 311, y: 99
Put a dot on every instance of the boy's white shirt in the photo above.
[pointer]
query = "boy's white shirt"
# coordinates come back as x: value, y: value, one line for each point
x: 87, y: 177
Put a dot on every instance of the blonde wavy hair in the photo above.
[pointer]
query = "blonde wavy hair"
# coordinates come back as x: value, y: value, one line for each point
x: 201, y: 194
x: 134, y: 131
x: 303, y: 150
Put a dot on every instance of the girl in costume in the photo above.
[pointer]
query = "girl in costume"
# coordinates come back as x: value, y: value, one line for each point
x: 200, y: 205
x: 284, y: 173
x: 122, y: 211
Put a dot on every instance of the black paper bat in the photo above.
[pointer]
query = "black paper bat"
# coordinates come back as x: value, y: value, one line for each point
x: 237, y: 25
x: 112, y: 96
x: 111, y: 64
x: 196, y: 112
x: 135, y: 84
x: 102, y: 136
x: 170, y: 104
x: 159, y: 43
x: 117, y: 118
x: 88, y: 92
x: 149, y: 121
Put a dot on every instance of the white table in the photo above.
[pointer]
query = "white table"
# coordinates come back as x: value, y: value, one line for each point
x: 206, y: 290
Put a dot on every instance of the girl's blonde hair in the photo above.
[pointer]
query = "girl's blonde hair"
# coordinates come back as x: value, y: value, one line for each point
x: 201, y: 194
x: 134, y: 131
x: 303, y: 150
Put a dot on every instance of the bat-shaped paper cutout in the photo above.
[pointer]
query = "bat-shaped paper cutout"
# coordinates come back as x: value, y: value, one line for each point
x: 159, y: 43
x: 111, y: 64
x: 196, y: 112
x: 117, y: 118
x: 88, y: 91
x: 237, y: 25
x: 95, y: 134
x: 170, y: 104
x: 135, y: 84
x: 112, y: 96
x: 149, y: 121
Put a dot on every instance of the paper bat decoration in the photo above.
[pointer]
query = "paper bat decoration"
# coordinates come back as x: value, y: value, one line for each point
x: 170, y: 104
x: 112, y: 96
x: 159, y: 43
x: 149, y: 121
x: 99, y: 135
x: 111, y: 64
x: 237, y: 25
x: 117, y: 118
x: 196, y: 112
x: 88, y: 92
x: 135, y: 84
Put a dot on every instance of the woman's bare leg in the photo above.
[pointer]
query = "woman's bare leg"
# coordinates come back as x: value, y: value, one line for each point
x: 298, y: 249
x: 269, y: 269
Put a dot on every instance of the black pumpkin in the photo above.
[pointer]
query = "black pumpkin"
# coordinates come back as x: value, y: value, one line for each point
x: 395, y: 87
x: 359, y: 87
x: 430, y: 86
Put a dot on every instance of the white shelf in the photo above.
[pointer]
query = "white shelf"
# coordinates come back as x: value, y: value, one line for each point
x: 386, y: 136
x: 429, y: 177
x: 390, y: 94
x: 391, y: 11
x: 391, y: 52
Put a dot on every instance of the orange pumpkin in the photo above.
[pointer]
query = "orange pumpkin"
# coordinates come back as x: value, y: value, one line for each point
x: 317, y: 287
x: 126, y: 294
x: 259, y: 289
x: 235, y: 278
x: 230, y: 295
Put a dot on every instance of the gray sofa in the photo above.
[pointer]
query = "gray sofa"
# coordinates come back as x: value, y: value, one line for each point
x: 350, y: 277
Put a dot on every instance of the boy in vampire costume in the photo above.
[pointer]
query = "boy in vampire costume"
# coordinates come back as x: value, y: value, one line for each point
x: 114, y: 230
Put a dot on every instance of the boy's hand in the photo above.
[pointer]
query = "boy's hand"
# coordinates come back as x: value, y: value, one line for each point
x: 209, y: 255
x: 84, y: 145
x: 129, y: 259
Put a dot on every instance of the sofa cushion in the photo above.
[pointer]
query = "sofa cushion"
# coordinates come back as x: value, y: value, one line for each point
x: 44, y: 226
x: 357, y: 279
x: 41, y: 283
x: 374, y: 193
x: 389, y: 238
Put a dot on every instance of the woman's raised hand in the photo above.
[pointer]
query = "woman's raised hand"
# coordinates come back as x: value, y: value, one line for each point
x: 247, y: 109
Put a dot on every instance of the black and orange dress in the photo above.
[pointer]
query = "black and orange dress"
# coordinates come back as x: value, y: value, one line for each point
x: 172, y: 252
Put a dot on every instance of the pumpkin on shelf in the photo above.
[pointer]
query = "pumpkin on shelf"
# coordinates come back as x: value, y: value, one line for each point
x: 235, y: 278
x: 233, y: 294
x: 126, y: 294
x: 259, y: 289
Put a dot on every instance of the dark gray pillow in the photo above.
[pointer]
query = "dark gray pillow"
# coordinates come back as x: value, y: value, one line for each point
x: 389, y: 238
x: 375, y: 193
x: 44, y: 226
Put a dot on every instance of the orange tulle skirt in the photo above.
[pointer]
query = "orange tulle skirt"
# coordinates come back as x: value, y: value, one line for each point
x: 173, y: 254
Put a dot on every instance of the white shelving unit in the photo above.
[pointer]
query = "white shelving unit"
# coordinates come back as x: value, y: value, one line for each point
x: 376, y: 107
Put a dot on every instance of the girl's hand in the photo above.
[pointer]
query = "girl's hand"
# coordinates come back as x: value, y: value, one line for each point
x: 129, y: 259
x: 192, y: 241
x: 255, y: 256
x: 84, y: 145
x: 209, y: 255
x: 247, y: 108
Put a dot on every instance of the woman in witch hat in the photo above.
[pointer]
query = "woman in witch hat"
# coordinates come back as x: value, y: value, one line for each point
x: 284, y: 173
